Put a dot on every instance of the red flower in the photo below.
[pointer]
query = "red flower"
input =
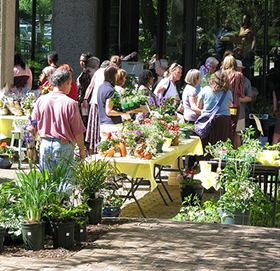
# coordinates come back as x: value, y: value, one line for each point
x: 109, y: 200
x: 109, y: 135
x: 147, y: 120
x: 3, y: 145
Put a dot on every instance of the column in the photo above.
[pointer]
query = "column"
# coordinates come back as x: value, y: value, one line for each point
x: 7, y: 41
x: 74, y: 30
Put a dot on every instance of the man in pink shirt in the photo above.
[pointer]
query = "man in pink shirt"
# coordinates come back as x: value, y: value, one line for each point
x: 59, y: 124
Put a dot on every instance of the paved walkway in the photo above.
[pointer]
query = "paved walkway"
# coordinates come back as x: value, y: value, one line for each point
x: 167, y: 245
x: 160, y: 244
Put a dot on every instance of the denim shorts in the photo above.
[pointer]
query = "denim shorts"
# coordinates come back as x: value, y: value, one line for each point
x: 53, y: 152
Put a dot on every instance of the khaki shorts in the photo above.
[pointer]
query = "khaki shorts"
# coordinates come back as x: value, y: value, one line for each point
x: 240, y: 125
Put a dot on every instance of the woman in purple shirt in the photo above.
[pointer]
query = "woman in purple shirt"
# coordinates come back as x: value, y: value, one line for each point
x: 191, y: 111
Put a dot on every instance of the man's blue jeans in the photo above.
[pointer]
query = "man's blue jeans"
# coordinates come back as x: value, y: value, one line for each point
x: 53, y: 153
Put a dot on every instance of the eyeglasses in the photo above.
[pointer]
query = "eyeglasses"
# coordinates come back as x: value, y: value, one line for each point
x: 174, y: 66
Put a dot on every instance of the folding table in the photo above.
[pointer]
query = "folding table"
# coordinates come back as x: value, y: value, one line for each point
x: 138, y: 169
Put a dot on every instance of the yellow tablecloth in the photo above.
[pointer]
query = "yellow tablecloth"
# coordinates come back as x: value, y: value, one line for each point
x: 136, y: 168
x: 6, y: 127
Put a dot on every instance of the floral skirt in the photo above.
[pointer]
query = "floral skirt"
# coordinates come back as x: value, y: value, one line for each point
x: 93, y: 128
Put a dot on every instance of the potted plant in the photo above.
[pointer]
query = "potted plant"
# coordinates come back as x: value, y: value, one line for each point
x: 32, y: 191
x: 188, y: 185
x: 63, y: 218
x: 6, y: 155
x: 27, y: 103
x: 239, y: 192
x: 90, y: 177
x: 250, y: 147
x: 112, y: 205
x: 185, y: 129
x: 220, y: 148
x: 12, y: 215
x: 19, y: 124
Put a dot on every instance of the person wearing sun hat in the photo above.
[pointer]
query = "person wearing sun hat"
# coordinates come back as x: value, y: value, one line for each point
x: 248, y: 97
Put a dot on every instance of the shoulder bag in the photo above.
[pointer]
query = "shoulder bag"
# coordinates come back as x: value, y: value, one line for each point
x: 202, y: 125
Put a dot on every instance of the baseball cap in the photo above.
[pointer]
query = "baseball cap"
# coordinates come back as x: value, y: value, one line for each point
x: 239, y: 64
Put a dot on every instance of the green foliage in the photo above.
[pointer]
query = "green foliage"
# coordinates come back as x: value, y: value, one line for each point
x: 186, y: 126
x: 60, y: 181
x: 207, y: 213
x: 90, y: 176
x: 33, y: 64
x: 262, y: 212
x: 262, y: 105
x: 131, y: 82
x: 11, y: 213
x: 250, y: 147
x: 216, y: 149
x: 113, y: 200
x: 32, y: 191
x: 239, y: 189
x: 66, y: 213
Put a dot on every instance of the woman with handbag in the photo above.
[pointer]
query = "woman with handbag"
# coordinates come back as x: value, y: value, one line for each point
x: 167, y: 85
x: 210, y: 99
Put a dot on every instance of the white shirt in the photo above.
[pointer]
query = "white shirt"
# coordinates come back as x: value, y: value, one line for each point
x: 172, y: 90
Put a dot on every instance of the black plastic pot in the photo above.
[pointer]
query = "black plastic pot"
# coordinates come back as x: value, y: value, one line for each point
x: 95, y: 214
x: 5, y: 161
x: 80, y: 231
x: 63, y: 234
x: 48, y: 227
x: 33, y: 235
x: 2, y: 238
x: 111, y: 211
x: 189, y: 189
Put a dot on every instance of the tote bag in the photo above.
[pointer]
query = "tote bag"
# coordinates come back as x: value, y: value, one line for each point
x: 202, y: 125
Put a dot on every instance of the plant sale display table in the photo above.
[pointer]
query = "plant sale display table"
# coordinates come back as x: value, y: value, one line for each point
x: 138, y: 169
x: 6, y: 125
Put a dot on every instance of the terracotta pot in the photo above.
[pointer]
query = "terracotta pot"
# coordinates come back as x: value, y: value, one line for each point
x: 175, y: 141
x: 108, y: 153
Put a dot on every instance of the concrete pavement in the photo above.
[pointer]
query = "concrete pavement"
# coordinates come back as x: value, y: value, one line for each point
x: 161, y: 244
x: 169, y: 245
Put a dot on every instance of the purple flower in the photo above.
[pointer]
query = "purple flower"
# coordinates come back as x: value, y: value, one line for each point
x: 27, y: 138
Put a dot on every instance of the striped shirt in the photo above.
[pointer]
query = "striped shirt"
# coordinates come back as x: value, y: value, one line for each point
x: 236, y: 86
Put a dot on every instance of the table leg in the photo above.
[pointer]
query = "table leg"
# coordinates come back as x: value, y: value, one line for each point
x: 158, y: 176
x: 134, y: 185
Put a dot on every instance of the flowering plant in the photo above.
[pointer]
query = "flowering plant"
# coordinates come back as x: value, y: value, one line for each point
x: 187, y: 177
x: 171, y: 130
x: 46, y: 88
x: 113, y: 200
x: 109, y: 143
x: 205, y: 74
x: 164, y: 105
x: 153, y: 129
x: 7, y: 150
x: 132, y: 133
x: 28, y: 101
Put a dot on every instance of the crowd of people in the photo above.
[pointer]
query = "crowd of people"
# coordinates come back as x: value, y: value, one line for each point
x: 83, y: 109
